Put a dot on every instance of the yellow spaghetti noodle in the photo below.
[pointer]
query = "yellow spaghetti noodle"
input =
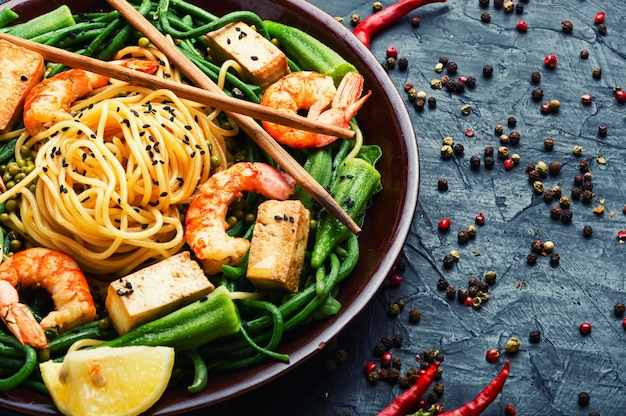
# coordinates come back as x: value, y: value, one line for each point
x: 112, y: 183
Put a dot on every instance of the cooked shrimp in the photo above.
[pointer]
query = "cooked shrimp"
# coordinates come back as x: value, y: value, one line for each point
x: 316, y: 94
x: 49, y: 101
x: 19, y: 319
x: 205, y: 224
x: 58, y: 274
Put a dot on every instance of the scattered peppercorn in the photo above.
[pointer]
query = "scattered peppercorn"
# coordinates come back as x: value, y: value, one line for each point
x: 498, y: 4
x: 394, y: 310
x: 576, y: 193
x: 442, y: 184
x: 458, y: 149
x: 403, y: 64
x: 416, y: 21
x: 537, y: 94
x: 451, y: 67
x: 514, y: 138
x: 503, y: 152
x: 587, y: 196
x: 587, y: 231
x: 556, y: 212
x: 443, y: 60
x: 462, y: 294
x: 584, y: 54
x: 448, y: 261
x: 355, y: 19
x: 603, y: 131
x: 474, y: 162
x: 548, y: 196
x: 534, y: 337
x: 531, y: 259
x: 415, y: 315
x: 583, y: 398
x: 583, y: 166
x: 567, y: 26
x: 487, y: 71
x: 509, y: 410
x: 548, y: 144
x: 509, y: 6
x: 537, y: 246
x: 586, y: 99
x: 432, y: 102
x: 463, y: 236
x: 492, y: 355
x: 419, y: 106
x: 618, y: 309
x: 377, y: 6
x: 519, y: 8
x: 480, y: 219
x: 602, y: 29
x: 485, y: 17
x: 512, y: 345
x: 596, y: 73
x: 450, y: 292
x: 555, y: 105
x: 555, y: 258
x: 522, y: 26
x: 442, y: 284
x: 566, y: 216
x: 535, y: 77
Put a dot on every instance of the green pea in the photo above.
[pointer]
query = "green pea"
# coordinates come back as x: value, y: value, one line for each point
x: 15, y: 245
x: 6, y: 177
x: 28, y: 168
x: 10, y: 184
x: 25, y: 151
x: 232, y: 220
x: 19, y: 176
x: 143, y: 42
x: 215, y: 161
x: 21, y: 163
x: 11, y: 205
x: 238, y: 214
x: 250, y: 218
x: 13, y: 168
x: 32, y: 187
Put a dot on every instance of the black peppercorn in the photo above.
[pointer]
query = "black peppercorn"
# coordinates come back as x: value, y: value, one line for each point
x: 566, y: 216
x: 451, y: 68
x: 442, y: 184
x: 498, y: 3
x: 340, y: 355
x: 458, y: 149
x: 537, y: 94
x: 380, y: 349
x: 483, y: 3
x: 584, y: 54
x: 330, y: 365
x: 618, y: 309
x: 450, y: 292
x: 554, y: 259
x: 514, y: 138
x: 471, y: 82
x: 462, y: 294
x: 554, y: 168
x: 567, y: 26
x: 488, y: 151
x: 383, y: 374
x: 583, y: 398
x: 403, y: 381
x: 511, y: 122
x: 443, y: 60
x: 548, y: 196
x: 397, y: 342
x: 432, y: 102
x: 485, y: 17
x: 534, y: 337
x: 438, y: 389
x: 387, y: 341
x: 587, y: 186
x: 576, y: 193
x: 602, y: 131
x: 556, y: 212
x: 519, y: 8
x: 442, y: 284
x: 393, y: 375
x: 537, y: 246
x: 529, y: 167
x: 416, y: 21
x: 448, y: 261
x: 472, y: 291
x: 548, y: 144
x: 463, y: 236
x: 533, y: 176
x: 474, y: 162
x: 583, y: 166
x: 531, y: 258
x: 432, y: 398
x: 403, y: 64
x: 473, y: 281
x: 602, y: 29
x: 578, y: 180
x: 489, y: 162
x: 487, y: 71
x: 415, y: 315
x: 419, y: 105
x: 587, y: 231
x: 535, y: 77
x: 391, y: 62
x: 587, y: 196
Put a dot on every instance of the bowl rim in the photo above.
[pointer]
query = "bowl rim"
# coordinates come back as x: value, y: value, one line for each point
x: 314, y: 16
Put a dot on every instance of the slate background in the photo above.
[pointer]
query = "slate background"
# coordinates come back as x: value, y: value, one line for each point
x: 545, y: 378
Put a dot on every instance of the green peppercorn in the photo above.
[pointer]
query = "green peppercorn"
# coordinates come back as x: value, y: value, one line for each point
x: 555, y: 105
x: 538, y: 187
x: 490, y: 276
x: 466, y: 109
x: 377, y: 6
x: 355, y: 19
x: 337, y: 18
x: 596, y: 73
x: 439, y: 67
x: 512, y: 345
x: 394, y: 309
x: 503, y: 152
x: 509, y: 6
x: 542, y: 168
x: 446, y: 151
x: 372, y: 376
x: 436, y: 84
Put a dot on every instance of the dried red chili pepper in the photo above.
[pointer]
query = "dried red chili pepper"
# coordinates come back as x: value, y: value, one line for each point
x: 405, y: 402
x: 484, y: 398
x: 382, y: 19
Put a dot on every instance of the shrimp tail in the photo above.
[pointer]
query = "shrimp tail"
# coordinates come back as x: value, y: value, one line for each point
x: 19, y: 319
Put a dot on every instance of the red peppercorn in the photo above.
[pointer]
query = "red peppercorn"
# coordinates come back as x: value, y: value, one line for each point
x: 586, y: 99
x: 545, y: 108
x: 522, y: 26
x: 369, y: 367
x: 468, y: 301
x: 444, y: 224
x: 391, y: 52
x: 480, y: 219
x: 620, y: 95
x: 395, y: 279
x: 508, y: 164
x: 509, y: 410
x: 621, y: 235
x: 385, y: 360
x: 599, y: 18
x: 550, y: 61
x: 585, y: 328
x: 469, y: 132
x: 492, y: 355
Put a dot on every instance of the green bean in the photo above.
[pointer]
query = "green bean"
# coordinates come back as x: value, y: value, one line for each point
x: 54, y: 37
x: 96, y: 330
x: 193, y: 10
x: 22, y: 374
x: 7, y: 149
x: 201, y: 372
x: 7, y: 16
x: 103, y: 36
x: 36, y: 386
x: 123, y: 34
x: 10, y: 351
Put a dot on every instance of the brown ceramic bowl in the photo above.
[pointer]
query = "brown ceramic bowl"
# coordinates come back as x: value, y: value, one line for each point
x: 384, y: 121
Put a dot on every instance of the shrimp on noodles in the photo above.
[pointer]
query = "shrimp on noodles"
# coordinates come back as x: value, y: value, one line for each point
x: 49, y: 101
x: 19, y: 319
x: 60, y: 276
x: 205, y: 224
x: 316, y: 94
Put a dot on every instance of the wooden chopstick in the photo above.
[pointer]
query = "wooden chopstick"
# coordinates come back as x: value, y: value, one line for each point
x: 247, y: 124
x: 214, y: 99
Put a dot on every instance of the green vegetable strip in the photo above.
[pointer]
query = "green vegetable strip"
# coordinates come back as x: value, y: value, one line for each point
x: 48, y: 22
x: 7, y: 16
x: 194, y: 11
x: 118, y: 41
x: 10, y: 351
x: 201, y: 372
x: 7, y: 149
x: 56, y: 36
x: 22, y: 374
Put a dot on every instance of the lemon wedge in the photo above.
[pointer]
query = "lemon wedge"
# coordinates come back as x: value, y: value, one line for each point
x: 107, y: 381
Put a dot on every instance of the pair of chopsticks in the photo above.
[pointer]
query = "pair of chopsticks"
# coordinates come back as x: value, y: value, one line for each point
x: 209, y: 93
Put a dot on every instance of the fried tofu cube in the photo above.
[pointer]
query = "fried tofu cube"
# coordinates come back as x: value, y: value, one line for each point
x: 278, y: 245
x: 262, y: 62
x: 155, y: 291
x: 20, y: 70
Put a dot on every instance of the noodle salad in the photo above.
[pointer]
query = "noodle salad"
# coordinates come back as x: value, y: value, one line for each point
x: 111, y: 188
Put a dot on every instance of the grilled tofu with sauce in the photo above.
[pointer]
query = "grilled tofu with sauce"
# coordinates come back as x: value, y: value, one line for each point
x: 278, y: 245
x: 155, y: 291
x: 20, y: 70
x: 261, y: 61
